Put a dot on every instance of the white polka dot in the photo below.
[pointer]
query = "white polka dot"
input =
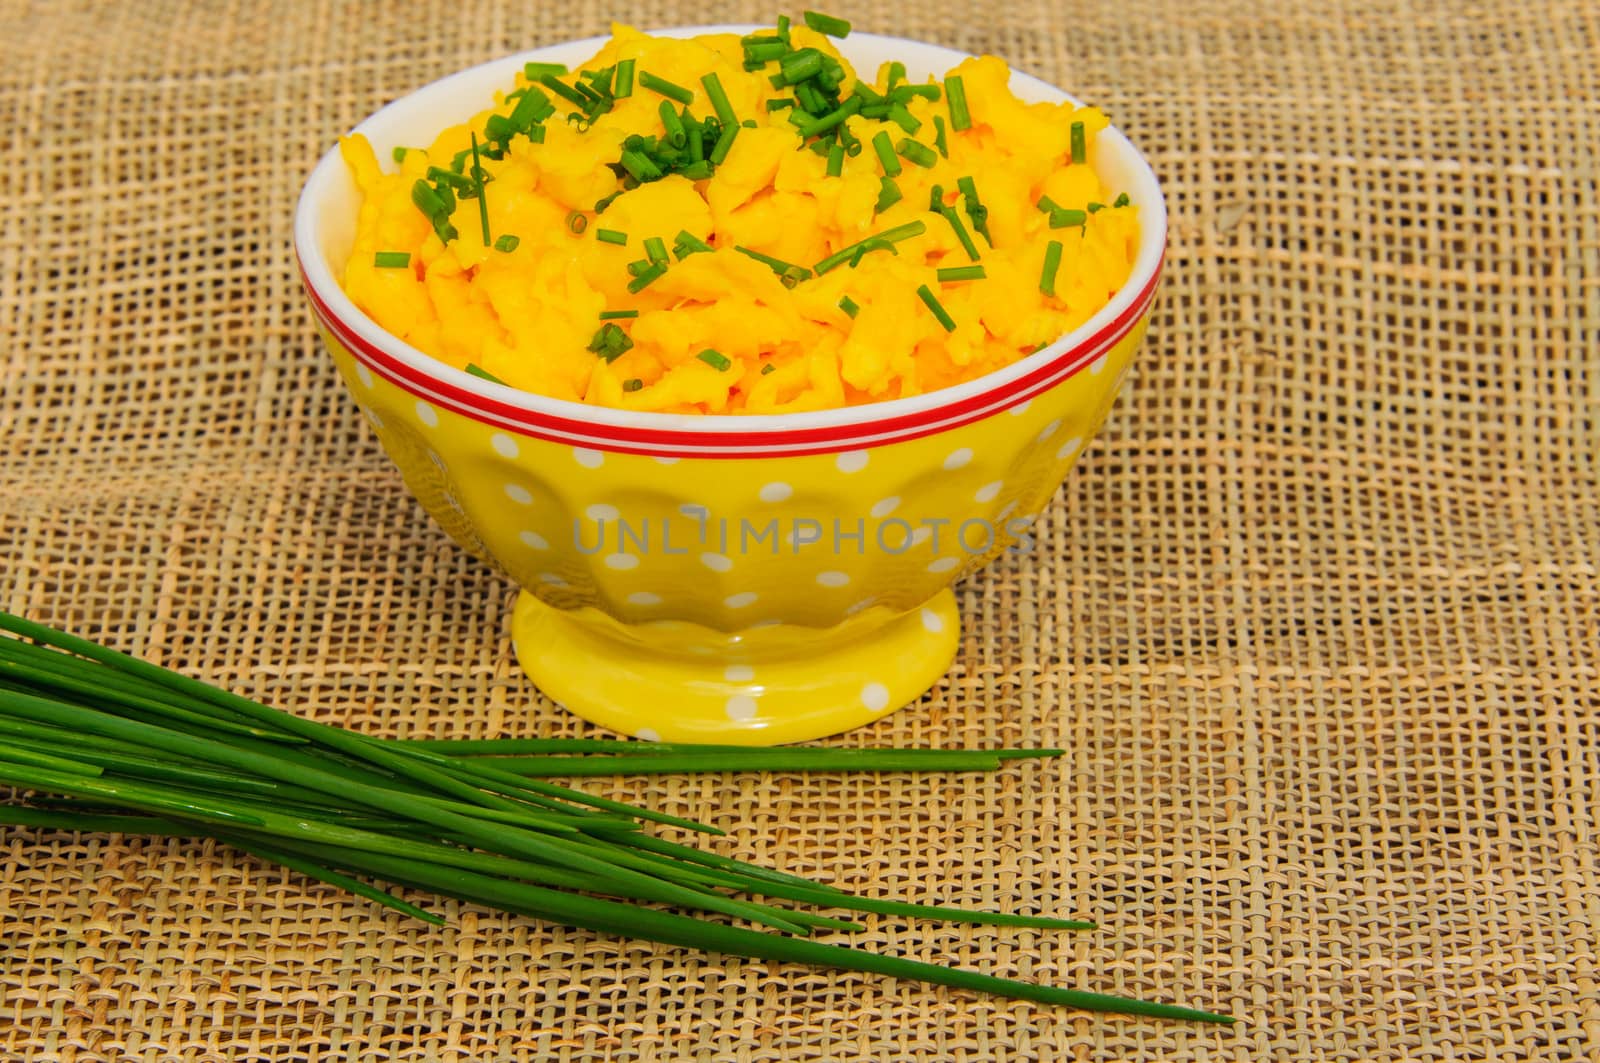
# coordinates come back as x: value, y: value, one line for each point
x: 738, y: 673
x: 1049, y: 430
x: 666, y: 461
x: 944, y: 564
x: 519, y: 494
x: 622, y: 562
x: 645, y: 734
x: 372, y: 415
x: 884, y: 507
x: 1021, y: 408
x: 740, y: 600
x: 601, y: 511
x: 717, y: 562
x: 427, y: 414
x: 875, y: 696
x: 851, y: 461
x: 921, y: 535
x: 1006, y: 511
x: 740, y: 707
x: 438, y: 462
x: 776, y: 492
x: 589, y: 459
x: 364, y: 375
x: 504, y: 445
x: 694, y: 509
x: 533, y: 540
x: 1068, y: 448
x: 552, y: 579
x: 1098, y: 364
x: 987, y: 492
x: 644, y: 598
x: 864, y: 603
x: 833, y: 579
x: 932, y: 621
x: 958, y: 458
x: 769, y: 622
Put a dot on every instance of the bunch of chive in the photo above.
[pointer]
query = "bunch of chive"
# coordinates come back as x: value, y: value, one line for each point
x: 127, y: 746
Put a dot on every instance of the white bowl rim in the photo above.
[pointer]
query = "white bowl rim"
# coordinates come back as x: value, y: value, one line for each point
x: 325, y: 289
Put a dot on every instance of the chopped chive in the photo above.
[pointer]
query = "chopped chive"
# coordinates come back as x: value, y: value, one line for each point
x: 655, y: 249
x: 975, y: 208
x: 956, y: 97
x: 750, y: 123
x: 799, y: 66
x: 903, y: 118
x: 938, y: 136
x: 666, y: 88
x: 961, y: 273
x: 1122, y: 200
x: 719, y: 99
x: 537, y: 71
x: 936, y: 198
x: 610, y: 236
x: 676, y: 134
x: 848, y: 305
x: 1052, y: 263
x: 536, y: 134
x: 392, y: 259
x: 610, y: 342
x: 812, y: 126
x: 724, y: 145
x: 939, y: 311
x: 811, y: 99
x: 534, y: 106
x: 905, y: 93
x: 777, y: 265
x: 768, y: 368
x: 641, y: 165
x: 697, y: 171
x: 687, y: 243
x: 1093, y: 206
x: 885, y: 150
x: 483, y: 200
x: 827, y: 24
x: 562, y: 89
x: 888, y: 195
x: 897, y: 74
x: 869, y: 245
x: 577, y: 221
x: 1062, y: 219
x: 888, y: 236
x: 949, y: 215
x: 633, y: 384
x: 715, y: 359
x: 1047, y: 205
x: 482, y: 373
x: 763, y: 52
x: 507, y: 243
x: 454, y: 180
x: 399, y: 154
x: 836, y: 159
x: 644, y: 280
x: 779, y: 104
x: 617, y: 315
x: 624, y: 80
x: 782, y: 28
x: 917, y: 152
x: 428, y: 200
x: 1080, y: 149
x: 639, y: 266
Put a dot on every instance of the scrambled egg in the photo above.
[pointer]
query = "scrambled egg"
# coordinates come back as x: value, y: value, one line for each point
x: 720, y: 331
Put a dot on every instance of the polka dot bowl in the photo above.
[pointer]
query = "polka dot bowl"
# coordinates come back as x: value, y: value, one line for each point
x: 729, y: 579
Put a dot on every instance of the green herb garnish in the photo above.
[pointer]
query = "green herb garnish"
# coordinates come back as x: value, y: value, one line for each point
x: 715, y: 359
x: 916, y: 151
x: 647, y: 277
x: 633, y: 384
x: 848, y: 305
x: 483, y: 374
x: 623, y: 82
x: 1052, y: 263
x: 827, y: 24
x: 961, y: 273
x: 1080, y: 150
x: 888, y: 236
x: 932, y: 303
x: 507, y: 243
x: 886, y: 156
x: 610, y: 342
x: 610, y: 315
x: 949, y: 215
x: 666, y: 88
x: 955, y: 94
x: 611, y: 236
x: 391, y: 259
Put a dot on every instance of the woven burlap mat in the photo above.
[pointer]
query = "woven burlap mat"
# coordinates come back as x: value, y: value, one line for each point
x: 1316, y: 616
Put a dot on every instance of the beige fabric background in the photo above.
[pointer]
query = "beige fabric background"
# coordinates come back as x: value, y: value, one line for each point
x: 1316, y: 615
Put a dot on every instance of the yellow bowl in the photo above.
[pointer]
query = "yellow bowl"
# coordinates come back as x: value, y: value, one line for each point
x: 731, y: 579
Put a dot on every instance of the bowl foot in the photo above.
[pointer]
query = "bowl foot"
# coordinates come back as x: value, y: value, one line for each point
x: 675, y: 682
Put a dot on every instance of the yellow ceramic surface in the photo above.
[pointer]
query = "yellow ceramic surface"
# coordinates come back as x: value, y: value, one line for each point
x: 747, y: 600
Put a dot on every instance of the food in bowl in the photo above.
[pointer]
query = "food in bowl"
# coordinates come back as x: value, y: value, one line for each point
x: 784, y: 575
x: 739, y: 224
